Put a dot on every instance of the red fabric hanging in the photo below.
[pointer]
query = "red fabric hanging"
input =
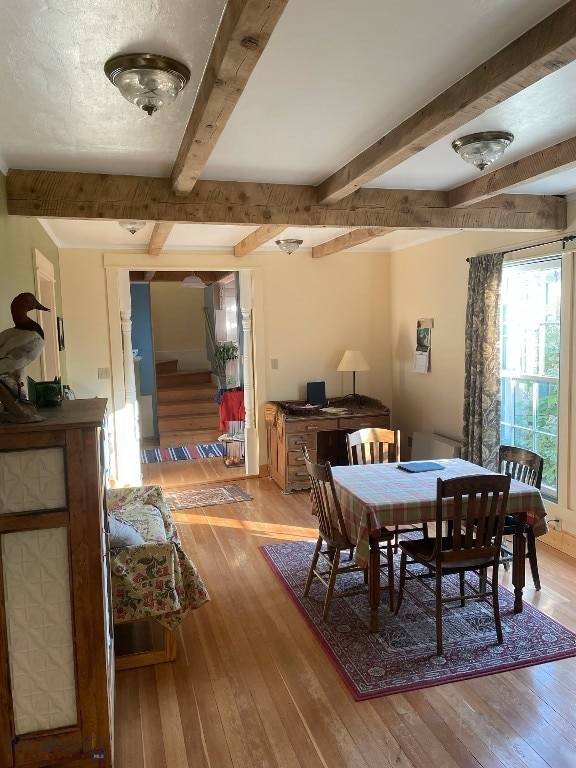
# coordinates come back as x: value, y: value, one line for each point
x: 231, y: 407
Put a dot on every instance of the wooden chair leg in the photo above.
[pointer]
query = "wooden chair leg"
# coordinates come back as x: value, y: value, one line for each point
x: 403, y: 560
x: 496, y: 606
x: 390, y: 557
x: 531, y: 547
x: 462, y: 602
x: 313, y: 566
x: 439, y: 644
x: 331, y: 583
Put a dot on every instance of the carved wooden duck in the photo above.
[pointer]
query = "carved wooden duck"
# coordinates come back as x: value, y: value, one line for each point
x: 19, y: 346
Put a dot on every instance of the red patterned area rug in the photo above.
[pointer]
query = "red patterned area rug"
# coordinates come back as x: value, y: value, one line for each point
x: 402, y: 656
x: 207, y: 497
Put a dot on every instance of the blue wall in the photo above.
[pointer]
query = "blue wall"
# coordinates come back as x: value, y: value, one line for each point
x: 142, y: 341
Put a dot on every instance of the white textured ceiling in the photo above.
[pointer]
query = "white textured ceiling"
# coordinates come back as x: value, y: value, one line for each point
x: 335, y: 77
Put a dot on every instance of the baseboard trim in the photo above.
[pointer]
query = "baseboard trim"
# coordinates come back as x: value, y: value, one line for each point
x: 560, y: 540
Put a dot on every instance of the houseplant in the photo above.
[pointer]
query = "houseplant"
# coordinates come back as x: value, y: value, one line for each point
x: 225, y: 352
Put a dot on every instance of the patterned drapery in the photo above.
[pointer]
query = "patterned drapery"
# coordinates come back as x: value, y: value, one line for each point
x: 481, y: 431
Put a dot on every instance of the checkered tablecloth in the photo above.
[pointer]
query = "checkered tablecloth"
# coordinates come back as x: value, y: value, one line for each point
x: 376, y: 496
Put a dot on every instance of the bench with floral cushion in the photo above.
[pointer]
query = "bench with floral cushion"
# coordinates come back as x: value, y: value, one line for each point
x: 152, y: 576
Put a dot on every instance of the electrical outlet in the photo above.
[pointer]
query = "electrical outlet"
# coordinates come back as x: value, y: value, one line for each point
x: 274, y: 364
x: 103, y: 373
x: 555, y: 524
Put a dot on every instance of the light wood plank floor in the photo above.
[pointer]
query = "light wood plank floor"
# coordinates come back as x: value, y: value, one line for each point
x: 252, y: 687
x: 190, y: 473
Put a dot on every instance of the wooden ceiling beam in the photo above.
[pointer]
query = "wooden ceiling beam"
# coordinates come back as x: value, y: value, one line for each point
x: 348, y: 240
x: 56, y: 194
x: 257, y: 238
x: 560, y: 157
x: 160, y: 234
x: 547, y: 47
x: 242, y: 36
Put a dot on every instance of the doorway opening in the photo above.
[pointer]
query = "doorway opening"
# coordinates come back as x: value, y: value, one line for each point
x: 187, y: 345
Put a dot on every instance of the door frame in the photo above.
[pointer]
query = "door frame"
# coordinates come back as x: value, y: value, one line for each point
x: 45, y: 283
x: 117, y: 266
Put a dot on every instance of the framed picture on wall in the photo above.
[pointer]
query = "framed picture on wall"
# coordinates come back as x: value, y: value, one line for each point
x: 60, y: 327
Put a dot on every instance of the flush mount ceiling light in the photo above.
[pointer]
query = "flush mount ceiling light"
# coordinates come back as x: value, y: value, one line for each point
x: 146, y: 79
x: 192, y: 281
x: 482, y: 149
x: 289, y: 246
x: 132, y: 226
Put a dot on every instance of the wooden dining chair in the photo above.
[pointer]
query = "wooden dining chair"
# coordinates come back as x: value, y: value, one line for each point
x: 333, y: 538
x: 473, y: 544
x: 527, y: 467
x: 379, y: 446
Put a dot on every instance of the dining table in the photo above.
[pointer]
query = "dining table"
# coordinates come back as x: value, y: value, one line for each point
x: 378, y: 496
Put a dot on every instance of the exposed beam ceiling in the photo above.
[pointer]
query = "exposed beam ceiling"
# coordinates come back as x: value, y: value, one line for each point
x: 48, y: 194
x: 349, y: 240
x: 257, y: 238
x: 173, y: 276
x: 242, y: 36
x: 546, y: 47
x: 558, y: 158
x: 159, y: 236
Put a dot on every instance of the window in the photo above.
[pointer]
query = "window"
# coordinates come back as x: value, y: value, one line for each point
x: 530, y: 360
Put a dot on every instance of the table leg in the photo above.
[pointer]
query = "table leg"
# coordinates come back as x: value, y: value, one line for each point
x: 519, y: 561
x: 374, y: 584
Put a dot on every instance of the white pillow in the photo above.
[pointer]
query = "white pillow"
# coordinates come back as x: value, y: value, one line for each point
x: 122, y: 534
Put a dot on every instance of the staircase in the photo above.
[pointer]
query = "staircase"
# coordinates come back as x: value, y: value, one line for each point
x: 186, y: 409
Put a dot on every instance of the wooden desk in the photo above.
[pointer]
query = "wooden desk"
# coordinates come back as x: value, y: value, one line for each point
x: 376, y: 496
x: 323, y: 434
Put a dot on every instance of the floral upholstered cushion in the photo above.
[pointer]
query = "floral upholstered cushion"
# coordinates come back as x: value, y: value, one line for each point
x: 155, y: 579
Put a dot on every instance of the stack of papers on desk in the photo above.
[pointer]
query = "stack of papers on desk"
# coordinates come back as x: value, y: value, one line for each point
x: 335, y: 411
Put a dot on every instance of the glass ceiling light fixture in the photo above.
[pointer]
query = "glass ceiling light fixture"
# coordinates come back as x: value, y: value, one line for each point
x: 289, y: 246
x: 132, y: 226
x: 482, y: 149
x: 192, y: 281
x: 146, y: 79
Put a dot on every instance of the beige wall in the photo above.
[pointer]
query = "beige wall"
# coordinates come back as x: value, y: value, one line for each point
x: 312, y: 311
x: 431, y: 280
x: 306, y: 313
x: 18, y: 238
x: 178, y: 324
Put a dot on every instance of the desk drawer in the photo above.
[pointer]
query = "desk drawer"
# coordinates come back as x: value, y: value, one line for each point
x: 361, y: 422
x: 299, y: 474
x: 296, y: 459
x: 311, y: 425
x: 297, y: 442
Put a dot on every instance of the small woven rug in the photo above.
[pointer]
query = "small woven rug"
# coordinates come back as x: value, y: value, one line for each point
x: 402, y: 655
x: 182, y: 453
x: 207, y: 497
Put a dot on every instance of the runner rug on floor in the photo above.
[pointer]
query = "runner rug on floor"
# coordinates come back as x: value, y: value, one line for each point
x: 402, y: 655
x: 206, y: 497
x: 182, y: 453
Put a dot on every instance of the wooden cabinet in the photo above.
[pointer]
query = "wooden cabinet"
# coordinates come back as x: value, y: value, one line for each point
x: 322, y: 434
x: 56, y: 644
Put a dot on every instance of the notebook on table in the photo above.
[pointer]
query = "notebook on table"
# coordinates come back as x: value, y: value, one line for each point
x: 419, y: 466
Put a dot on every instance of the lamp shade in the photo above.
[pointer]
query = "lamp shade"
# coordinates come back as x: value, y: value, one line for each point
x: 353, y: 360
x: 192, y: 281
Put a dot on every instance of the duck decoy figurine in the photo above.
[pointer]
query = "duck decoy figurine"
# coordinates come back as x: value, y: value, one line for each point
x: 19, y: 346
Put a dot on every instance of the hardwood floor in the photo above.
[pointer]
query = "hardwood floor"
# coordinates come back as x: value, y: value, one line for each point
x: 189, y: 473
x: 252, y: 687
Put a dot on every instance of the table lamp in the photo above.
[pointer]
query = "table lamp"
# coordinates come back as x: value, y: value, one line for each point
x: 353, y: 360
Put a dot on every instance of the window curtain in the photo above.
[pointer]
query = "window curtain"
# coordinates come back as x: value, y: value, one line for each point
x: 481, y: 431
